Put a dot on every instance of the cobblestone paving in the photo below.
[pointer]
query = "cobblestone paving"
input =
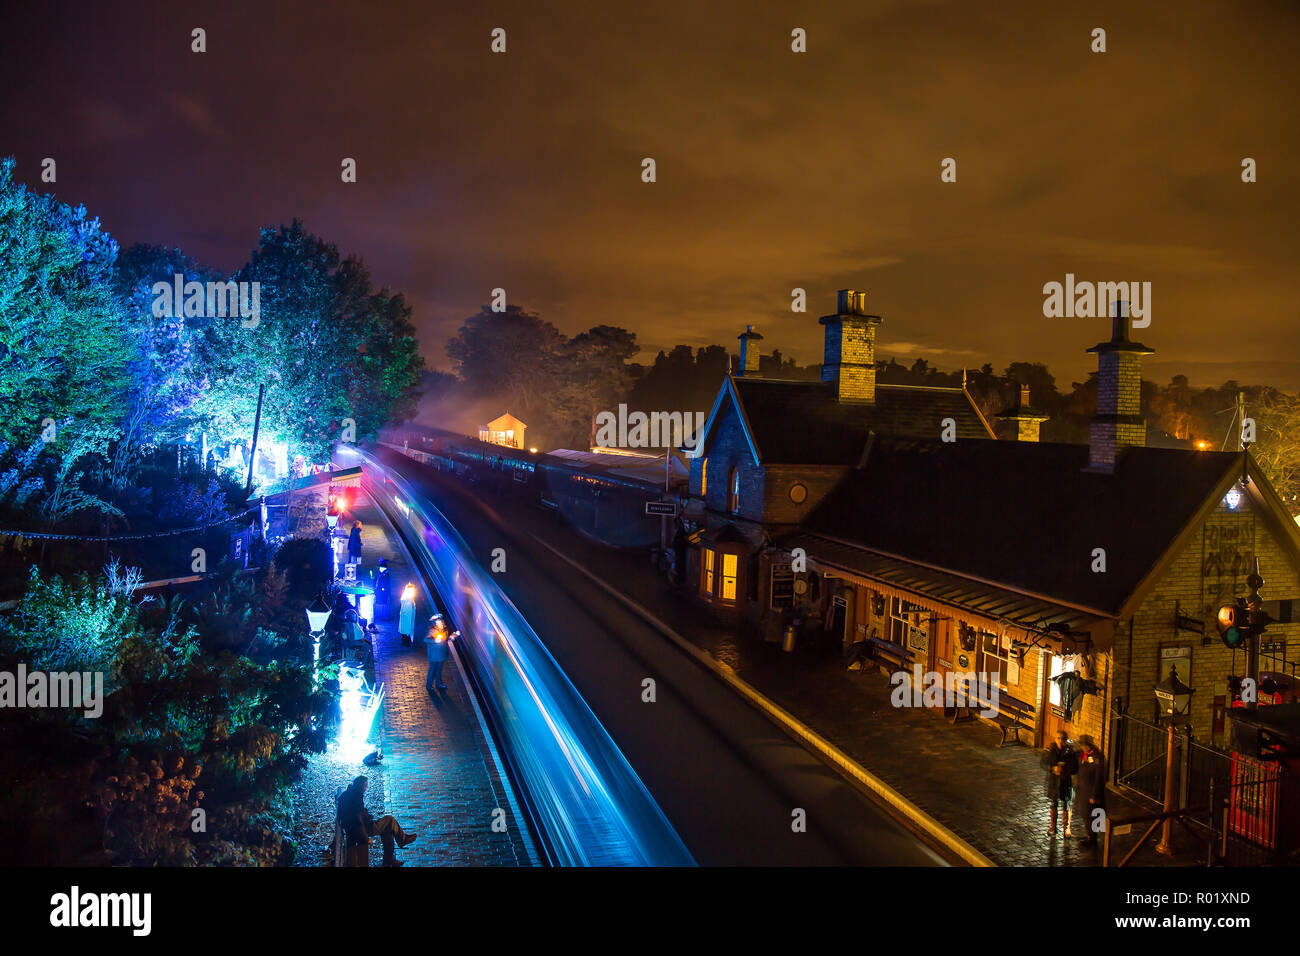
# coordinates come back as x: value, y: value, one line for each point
x: 438, y: 776
x: 994, y: 798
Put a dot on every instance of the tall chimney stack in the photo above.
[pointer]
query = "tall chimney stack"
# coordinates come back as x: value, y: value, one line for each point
x: 1118, y: 423
x: 1022, y: 423
x: 850, y: 353
x: 748, y: 352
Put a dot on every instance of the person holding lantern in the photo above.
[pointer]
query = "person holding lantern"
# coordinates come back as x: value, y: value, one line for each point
x: 1062, y: 763
x: 438, y: 647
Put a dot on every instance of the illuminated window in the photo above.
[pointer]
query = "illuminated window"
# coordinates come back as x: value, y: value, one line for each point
x: 1059, y: 665
x: 733, y: 494
x: 708, y: 572
x: 704, y: 476
x: 729, y: 564
x: 996, y: 655
x: 908, y: 624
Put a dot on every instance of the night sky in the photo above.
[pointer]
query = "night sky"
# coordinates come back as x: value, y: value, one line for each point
x: 775, y: 169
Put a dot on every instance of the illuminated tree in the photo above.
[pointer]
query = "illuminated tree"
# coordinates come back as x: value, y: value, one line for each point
x: 64, y: 337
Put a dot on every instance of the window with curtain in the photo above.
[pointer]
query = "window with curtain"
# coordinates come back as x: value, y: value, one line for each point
x: 707, y: 587
x: 733, y: 490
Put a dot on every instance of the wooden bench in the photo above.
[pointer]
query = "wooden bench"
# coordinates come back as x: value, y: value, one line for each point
x: 1011, y: 716
x: 962, y: 708
x: 889, y: 657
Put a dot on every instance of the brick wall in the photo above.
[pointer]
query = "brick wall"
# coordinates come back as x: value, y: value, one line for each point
x: 778, y: 507
x: 729, y: 448
x: 1211, y: 569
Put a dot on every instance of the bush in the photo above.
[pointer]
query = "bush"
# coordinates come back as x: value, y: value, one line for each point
x: 308, y: 564
x: 193, y: 757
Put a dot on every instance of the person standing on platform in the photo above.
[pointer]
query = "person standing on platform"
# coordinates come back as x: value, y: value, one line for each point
x: 438, y: 647
x: 406, y: 617
x: 1062, y: 764
x: 354, y: 544
x: 383, y: 591
x: 1090, y: 790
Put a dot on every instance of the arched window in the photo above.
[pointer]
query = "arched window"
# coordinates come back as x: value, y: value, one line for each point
x: 704, y: 476
x: 733, y: 490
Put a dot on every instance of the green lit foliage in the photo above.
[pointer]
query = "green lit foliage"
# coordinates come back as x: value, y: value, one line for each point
x: 328, y: 347
x: 72, y: 626
x: 183, y: 729
x: 64, y: 342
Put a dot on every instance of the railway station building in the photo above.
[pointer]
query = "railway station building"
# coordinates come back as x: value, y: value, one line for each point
x: 893, y: 521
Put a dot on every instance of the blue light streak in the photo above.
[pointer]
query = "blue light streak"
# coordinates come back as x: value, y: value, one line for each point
x: 590, y: 804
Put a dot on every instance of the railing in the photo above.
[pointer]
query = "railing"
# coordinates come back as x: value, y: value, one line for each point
x: 1240, y: 802
x: 588, y: 805
x: 1139, y: 752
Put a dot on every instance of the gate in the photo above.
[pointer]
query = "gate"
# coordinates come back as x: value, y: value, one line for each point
x: 1139, y: 751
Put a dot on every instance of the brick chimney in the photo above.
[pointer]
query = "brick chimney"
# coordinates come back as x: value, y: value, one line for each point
x: 748, y: 352
x: 850, y: 356
x: 1118, y: 423
x: 1022, y: 422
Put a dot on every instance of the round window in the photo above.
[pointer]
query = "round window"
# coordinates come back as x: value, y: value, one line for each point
x: 798, y: 492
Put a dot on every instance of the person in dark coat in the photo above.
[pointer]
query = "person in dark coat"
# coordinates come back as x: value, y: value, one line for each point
x: 1090, y: 788
x: 354, y: 543
x: 383, y: 591
x: 359, y: 825
x: 1062, y: 763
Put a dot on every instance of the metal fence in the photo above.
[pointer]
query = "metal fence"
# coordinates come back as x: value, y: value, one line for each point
x: 1245, y: 805
x: 1139, y: 751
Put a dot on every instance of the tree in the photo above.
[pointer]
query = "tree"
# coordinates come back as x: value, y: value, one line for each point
x: 512, y: 354
x: 327, y: 346
x: 593, y: 376
x: 64, y: 337
x: 1042, y: 384
x: 1277, y: 446
x: 167, y: 376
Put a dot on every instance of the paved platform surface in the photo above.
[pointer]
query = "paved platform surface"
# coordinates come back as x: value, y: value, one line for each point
x: 439, y: 777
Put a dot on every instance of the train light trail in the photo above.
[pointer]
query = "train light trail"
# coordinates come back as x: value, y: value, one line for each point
x: 589, y: 806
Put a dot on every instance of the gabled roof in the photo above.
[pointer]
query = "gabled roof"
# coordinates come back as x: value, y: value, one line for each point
x: 802, y: 422
x: 1027, y: 515
x: 505, y: 421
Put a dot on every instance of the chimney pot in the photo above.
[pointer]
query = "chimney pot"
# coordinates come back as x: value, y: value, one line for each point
x: 748, y: 365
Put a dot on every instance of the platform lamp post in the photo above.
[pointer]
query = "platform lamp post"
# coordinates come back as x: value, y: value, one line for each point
x: 1174, y: 703
x: 318, y: 615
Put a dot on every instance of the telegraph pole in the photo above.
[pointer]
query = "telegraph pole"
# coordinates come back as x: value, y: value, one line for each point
x: 257, y: 424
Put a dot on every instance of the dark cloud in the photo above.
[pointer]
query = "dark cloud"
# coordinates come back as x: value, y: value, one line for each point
x: 775, y: 170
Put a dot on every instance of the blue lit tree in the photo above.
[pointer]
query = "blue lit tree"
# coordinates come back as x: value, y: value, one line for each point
x: 64, y: 339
